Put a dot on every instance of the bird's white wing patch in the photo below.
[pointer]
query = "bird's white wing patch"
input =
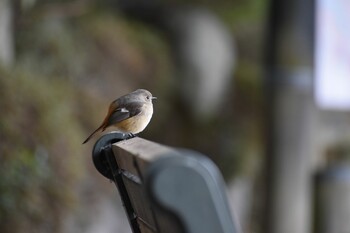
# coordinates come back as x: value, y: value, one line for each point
x: 124, y: 110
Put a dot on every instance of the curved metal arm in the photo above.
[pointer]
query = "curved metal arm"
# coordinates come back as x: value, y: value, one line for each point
x: 101, y: 150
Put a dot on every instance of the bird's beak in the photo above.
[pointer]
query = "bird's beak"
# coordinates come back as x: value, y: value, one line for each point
x: 154, y: 98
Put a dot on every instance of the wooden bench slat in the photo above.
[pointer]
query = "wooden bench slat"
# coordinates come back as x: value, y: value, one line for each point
x: 164, y: 190
x: 135, y: 154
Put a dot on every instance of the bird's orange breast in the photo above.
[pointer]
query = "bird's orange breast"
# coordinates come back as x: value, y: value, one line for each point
x: 137, y: 123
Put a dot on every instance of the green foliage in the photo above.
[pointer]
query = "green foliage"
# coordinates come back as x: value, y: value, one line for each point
x: 39, y: 143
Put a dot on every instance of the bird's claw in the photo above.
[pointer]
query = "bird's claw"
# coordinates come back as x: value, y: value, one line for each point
x: 131, y: 135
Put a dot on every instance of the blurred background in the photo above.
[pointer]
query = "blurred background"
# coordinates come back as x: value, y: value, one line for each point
x: 234, y: 80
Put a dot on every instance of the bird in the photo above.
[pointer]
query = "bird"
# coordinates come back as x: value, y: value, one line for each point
x: 129, y: 113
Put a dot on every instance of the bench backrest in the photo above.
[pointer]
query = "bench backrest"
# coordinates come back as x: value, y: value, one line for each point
x: 164, y: 189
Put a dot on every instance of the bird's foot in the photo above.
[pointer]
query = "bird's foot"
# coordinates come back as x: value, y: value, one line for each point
x: 131, y: 135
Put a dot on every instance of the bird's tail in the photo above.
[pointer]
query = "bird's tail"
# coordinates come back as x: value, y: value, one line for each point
x: 93, y: 133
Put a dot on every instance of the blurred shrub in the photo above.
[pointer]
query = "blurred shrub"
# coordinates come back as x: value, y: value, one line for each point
x: 40, y: 144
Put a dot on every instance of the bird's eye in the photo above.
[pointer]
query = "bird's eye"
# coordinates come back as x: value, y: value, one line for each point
x: 148, y: 97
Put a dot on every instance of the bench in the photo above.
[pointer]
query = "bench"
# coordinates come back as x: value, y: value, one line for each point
x: 164, y: 189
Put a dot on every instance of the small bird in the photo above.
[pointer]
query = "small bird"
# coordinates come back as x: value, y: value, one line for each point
x: 130, y: 113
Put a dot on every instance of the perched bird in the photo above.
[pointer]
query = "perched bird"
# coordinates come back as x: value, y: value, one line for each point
x: 130, y: 113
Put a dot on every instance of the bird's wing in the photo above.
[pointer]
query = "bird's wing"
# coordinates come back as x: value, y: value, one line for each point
x: 120, y: 114
x: 116, y: 115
